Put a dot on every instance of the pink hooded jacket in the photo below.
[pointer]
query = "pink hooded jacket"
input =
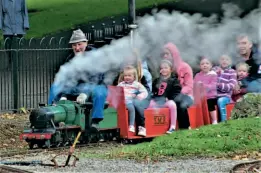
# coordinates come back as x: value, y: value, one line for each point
x: 183, y: 70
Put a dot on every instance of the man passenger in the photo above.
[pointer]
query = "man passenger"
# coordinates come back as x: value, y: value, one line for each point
x: 249, y: 54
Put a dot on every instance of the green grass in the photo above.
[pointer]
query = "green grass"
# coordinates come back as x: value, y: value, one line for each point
x: 110, y: 119
x: 225, y: 139
x: 56, y: 15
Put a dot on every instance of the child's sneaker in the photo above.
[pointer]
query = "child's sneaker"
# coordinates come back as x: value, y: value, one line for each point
x: 142, y: 131
x: 131, y: 129
x: 170, y: 131
x: 214, y: 122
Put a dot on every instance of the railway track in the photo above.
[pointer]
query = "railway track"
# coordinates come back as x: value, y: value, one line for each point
x: 7, y: 154
x: 248, y: 167
x: 8, y: 169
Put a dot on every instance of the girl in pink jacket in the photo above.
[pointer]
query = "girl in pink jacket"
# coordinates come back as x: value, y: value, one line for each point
x: 185, y: 75
x: 209, y: 79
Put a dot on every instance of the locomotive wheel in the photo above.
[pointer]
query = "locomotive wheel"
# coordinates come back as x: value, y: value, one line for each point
x: 31, y: 145
x: 95, y: 137
x: 40, y: 145
x: 47, y: 143
x: 86, y: 139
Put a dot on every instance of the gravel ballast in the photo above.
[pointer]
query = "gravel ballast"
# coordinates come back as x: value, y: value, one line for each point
x: 195, y: 165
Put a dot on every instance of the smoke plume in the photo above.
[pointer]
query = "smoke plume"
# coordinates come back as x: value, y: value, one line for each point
x: 194, y: 35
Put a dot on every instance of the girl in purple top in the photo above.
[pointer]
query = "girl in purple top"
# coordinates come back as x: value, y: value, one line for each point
x: 227, y: 79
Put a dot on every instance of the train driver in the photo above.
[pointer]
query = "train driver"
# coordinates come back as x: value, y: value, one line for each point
x: 95, y: 89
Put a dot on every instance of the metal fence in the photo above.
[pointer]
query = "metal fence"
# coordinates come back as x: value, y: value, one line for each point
x: 28, y: 66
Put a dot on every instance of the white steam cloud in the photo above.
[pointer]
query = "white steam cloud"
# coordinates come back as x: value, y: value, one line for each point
x: 194, y: 35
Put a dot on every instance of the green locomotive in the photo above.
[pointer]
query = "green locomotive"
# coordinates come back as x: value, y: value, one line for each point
x: 58, y: 125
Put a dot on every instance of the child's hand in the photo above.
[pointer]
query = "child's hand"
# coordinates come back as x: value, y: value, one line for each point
x: 239, y: 100
x: 237, y: 87
x: 219, y: 85
x: 218, y: 70
x: 133, y: 95
x: 139, y: 98
x: 236, y: 90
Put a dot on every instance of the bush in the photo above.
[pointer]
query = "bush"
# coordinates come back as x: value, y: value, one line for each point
x: 249, y: 107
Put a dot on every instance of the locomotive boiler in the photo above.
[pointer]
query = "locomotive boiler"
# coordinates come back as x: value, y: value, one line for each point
x: 56, y: 125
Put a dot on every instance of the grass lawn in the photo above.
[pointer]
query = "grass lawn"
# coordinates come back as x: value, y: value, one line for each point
x: 225, y: 139
x: 55, y: 15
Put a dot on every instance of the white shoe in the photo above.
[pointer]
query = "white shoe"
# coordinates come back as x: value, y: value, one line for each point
x: 171, y: 130
x: 214, y: 122
x: 131, y: 129
x: 142, y: 131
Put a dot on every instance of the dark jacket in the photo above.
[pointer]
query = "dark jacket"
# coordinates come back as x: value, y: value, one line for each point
x: 169, y: 88
x: 85, y: 78
x: 92, y: 77
x: 254, y: 62
x: 14, y: 17
x: 71, y: 56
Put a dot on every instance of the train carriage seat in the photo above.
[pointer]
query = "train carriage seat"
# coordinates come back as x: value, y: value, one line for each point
x: 156, y: 120
x: 229, y: 108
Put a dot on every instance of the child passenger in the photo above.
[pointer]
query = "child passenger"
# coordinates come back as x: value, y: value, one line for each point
x: 185, y: 76
x: 209, y: 79
x: 165, y: 89
x: 227, y: 80
x: 240, y: 89
x: 132, y: 89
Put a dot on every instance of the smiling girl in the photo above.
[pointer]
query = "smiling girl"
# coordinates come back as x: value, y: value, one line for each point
x: 227, y: 80
x: 165, y: 89
x: 209, y: 79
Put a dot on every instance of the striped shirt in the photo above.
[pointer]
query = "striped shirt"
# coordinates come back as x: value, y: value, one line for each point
x: 133, y: 90
x: 227, y: 79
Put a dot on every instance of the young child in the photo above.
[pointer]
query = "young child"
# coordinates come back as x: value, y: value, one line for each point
x: 185, y: 75
x: 209, y: 79
x: 165, y: 89
x: 240, y: 89
x: 227, y: 79
x: 132, y: 89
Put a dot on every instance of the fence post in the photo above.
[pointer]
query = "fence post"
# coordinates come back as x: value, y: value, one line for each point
x: 103, y: 31
x: 124, y: 29
x: 14, y: 60
x: 113, y: 28
x: 132, y: 12
x: 93, y: 34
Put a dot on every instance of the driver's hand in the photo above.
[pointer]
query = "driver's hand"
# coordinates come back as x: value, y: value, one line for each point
x: 81, y: 98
